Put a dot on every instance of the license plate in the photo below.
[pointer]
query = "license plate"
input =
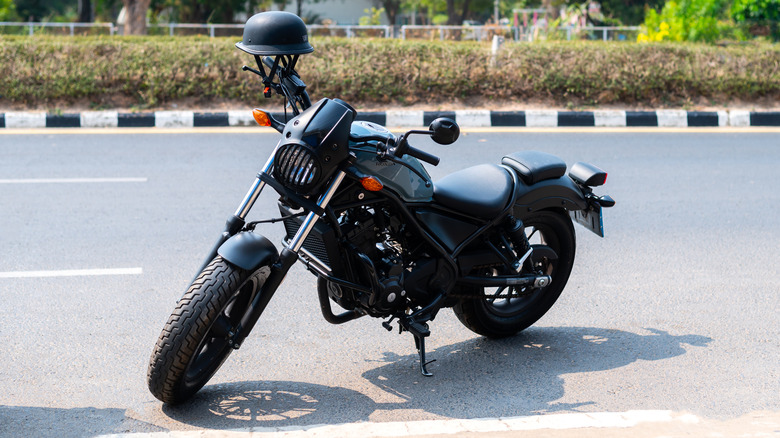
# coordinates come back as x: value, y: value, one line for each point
x: 590, y: 219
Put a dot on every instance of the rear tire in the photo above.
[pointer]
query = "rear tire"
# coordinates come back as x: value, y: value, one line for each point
x: 194, y: 342
x: 497, y: 318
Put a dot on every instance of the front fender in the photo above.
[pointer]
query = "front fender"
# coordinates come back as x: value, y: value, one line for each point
x: 248, y: 250
x: 552, y: 193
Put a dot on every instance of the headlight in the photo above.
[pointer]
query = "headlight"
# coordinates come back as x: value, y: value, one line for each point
x: 297, y: 167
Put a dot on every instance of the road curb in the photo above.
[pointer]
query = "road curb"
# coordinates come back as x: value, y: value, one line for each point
x: 403, y: 118
x: 486, y: 427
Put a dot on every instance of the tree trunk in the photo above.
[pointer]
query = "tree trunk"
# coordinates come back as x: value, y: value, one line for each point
x: 392, y: 7
x: 455, y: 17
x: 465, y: 12
x: 135, y: 16
x: 85, y: 11
x: 552, y: 9
x: 452, y: 14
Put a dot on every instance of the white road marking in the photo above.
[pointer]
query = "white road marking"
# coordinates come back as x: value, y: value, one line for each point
x: 71, y: 273
x: 486, y: 426
x: 71, y: 180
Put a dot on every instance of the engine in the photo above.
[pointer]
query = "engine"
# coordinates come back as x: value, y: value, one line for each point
x: 379, y: 255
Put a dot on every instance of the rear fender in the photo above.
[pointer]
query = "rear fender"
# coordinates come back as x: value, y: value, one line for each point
x: 248, y: 251
x: 552, y: 193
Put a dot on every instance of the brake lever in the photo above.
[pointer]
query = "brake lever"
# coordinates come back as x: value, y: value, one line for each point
x: 248, y: 68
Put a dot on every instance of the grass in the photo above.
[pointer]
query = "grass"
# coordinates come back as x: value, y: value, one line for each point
x: 153, y: 71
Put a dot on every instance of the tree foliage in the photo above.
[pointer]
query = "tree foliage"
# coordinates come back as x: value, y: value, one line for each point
x: 372, y: 17
x: 761, y: 17
x: 451, y: 12
x: 7, y: 10
x: 629, y: 12
x: 199, y: 11
x: 673, y: 20
x: 756, y: 10
x: 685, y: 20
x: 39, y: 10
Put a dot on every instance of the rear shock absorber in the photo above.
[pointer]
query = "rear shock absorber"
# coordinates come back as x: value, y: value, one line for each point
x: 516, y: 231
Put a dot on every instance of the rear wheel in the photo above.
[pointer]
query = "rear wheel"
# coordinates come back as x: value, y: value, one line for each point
x: 504, y: 311
x: 194, y: 343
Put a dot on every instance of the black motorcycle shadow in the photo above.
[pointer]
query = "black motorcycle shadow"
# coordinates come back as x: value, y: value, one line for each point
x: 247, y: 404
x: 520, y: 375
x: 480, y: 377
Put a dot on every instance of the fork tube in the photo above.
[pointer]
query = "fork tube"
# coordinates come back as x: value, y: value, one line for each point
x: 311, y: 218
x: 254, y: 191
x: 236, y: 222
x: 279, y: 270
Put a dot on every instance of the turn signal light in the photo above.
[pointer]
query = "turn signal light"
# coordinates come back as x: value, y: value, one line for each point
x: 372, y: 184
x: 261, y: 117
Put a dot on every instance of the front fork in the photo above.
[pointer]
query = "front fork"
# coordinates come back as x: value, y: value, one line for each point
x: 235, y: 223
x: 287, y: 257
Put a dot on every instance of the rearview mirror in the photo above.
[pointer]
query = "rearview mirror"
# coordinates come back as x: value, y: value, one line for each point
x: 444, y: 130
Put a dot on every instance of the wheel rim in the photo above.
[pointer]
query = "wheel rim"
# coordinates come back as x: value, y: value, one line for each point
x: 539, y: 236
x: 214, y: 347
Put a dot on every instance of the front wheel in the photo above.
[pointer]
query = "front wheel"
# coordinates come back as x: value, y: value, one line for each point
x: 194, y: 343
x: 504, y: 311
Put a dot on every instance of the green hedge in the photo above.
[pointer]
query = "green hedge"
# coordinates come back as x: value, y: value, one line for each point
x: 148, y: 72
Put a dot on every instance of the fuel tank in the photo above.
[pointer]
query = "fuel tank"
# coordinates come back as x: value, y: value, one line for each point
x: 407, y: 184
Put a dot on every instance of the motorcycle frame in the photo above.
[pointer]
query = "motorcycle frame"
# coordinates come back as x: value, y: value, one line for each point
x: 293, y: 250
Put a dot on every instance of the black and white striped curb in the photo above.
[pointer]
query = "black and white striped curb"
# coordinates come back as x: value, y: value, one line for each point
x: 403, y: 118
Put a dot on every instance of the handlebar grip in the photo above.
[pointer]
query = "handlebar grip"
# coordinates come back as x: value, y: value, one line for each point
x: 422, y: 155
x: 268, y: 61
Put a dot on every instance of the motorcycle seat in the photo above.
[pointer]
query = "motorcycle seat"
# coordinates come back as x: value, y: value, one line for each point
x: 482, y: 191
x: 534, y: 166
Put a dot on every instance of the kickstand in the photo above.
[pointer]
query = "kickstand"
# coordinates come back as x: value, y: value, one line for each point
x: 420, y: 332
x: 419, y: 342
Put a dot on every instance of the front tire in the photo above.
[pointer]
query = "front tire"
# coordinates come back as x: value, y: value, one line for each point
x: 194, y: 342
x: 497, y: 318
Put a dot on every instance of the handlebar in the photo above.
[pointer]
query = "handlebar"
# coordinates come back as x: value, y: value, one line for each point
x: 422, y: 155
x: 384, y: 146
x: 404, y: 148
x: 289, y: 83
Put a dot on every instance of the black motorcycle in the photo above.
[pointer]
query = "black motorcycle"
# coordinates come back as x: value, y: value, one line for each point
x: 494, y: 241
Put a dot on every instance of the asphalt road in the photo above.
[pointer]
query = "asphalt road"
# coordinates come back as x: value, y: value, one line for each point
x: 676, y: 309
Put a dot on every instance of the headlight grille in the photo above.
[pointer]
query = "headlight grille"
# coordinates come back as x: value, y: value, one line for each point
x: 297, y: 168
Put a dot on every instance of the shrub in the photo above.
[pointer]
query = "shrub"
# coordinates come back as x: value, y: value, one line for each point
x: 154, y: 71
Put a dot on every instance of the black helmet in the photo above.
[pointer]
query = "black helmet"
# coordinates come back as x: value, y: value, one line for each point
x: 275, y: 33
